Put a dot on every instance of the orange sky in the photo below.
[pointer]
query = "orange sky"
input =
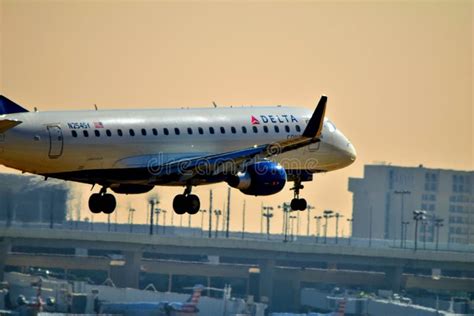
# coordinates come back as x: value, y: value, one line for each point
x: 399, y: 75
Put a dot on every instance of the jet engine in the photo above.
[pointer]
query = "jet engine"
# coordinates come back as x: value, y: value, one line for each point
x: 260, y: 178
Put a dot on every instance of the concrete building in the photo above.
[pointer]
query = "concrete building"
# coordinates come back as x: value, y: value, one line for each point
x: 385, y: 198
x: 26, y: 199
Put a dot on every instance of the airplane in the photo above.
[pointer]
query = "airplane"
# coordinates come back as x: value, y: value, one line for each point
x: 188, y: 308
x: 254, y: 149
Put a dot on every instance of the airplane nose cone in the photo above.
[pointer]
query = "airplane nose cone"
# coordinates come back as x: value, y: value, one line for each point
x: 351, y: 152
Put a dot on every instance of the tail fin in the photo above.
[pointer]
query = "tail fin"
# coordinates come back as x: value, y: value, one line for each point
x: 9, y: 107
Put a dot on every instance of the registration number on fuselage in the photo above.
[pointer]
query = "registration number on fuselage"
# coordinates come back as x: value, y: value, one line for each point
x: 78, y: 125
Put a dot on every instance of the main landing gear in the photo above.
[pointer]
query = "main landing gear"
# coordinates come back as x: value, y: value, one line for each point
x: 298, y: 204
x: 102, y: 202
x: 186, y: 202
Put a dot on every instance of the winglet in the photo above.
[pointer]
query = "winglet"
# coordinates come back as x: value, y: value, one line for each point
x: 315, y: 124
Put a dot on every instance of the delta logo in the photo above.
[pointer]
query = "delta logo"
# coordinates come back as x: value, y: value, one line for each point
x: 285, y: 118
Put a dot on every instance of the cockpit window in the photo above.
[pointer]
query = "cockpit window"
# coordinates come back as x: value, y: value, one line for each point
x: 331, y: 126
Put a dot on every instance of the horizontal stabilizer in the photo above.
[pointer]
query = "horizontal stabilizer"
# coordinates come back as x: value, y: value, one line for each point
x: 5, y: 125
x: 7, y: 106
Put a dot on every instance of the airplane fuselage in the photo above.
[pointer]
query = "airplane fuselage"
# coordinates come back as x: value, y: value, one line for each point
x: 75, y: 142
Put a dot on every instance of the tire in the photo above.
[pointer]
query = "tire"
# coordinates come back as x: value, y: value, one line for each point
x: 294, y: 205
x: 179, y: 204
x: 302, y: 204
x: 95, y: 203
x: 193, y: 205
x: 108, y: 203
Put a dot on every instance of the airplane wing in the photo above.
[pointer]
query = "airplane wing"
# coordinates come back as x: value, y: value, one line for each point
x: 230, y: 161
x: 7, y: 124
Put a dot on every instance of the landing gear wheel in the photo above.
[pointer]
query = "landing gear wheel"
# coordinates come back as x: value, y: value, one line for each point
x: 298, y: 204
x: 179, y: 204
x: 193, y: 204
x: 95, y: 203
x: 108, y: 203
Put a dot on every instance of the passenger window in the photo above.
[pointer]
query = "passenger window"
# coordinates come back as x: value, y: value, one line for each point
x: 222, y: 130
x: 265, y: 129
x: 131, y: 132
x: 287, y: 128
x: 86, y: 133
x: 255, y: 129
x: 97, y: 133
x: 244, y: 129
x: 298, y: 128
x: 277, y: 129
x: 200, y: 130
x: 119, y: 132
x: 166, y: 131
x: 190, y: 131
x: 211, y: 130
x: 74, y: 134
x: 108, y: 132
x: 176, y: 131
x: 143, y: 132
x: 155, y: 131
x: 233, y: 130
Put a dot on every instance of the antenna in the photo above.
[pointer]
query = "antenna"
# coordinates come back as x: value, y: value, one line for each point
x: 214, y: 103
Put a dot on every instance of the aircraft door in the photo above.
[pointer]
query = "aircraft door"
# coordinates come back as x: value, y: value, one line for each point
x: 56, y: 141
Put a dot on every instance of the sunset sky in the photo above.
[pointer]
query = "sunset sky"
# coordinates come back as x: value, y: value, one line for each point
x: 399, y: 75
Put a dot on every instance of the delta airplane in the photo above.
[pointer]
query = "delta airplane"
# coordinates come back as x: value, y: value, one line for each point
x: 254, y: 149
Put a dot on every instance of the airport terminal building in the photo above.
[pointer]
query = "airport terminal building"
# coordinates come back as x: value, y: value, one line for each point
x: 447, y: 196
x: 30, y: 199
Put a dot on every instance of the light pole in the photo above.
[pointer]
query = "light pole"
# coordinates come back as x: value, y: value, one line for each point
x: 327, y: 214
x: 292, y: 224
x: 210, y: 214
x: 308, y: 209
x: 418, y: 215
x: 402, y: 194
x: 243, y: 220
x: 286, y: 207
x: 131, y: 211
x: 157, y: 224
x: 189, y: 220
x: 318, y: 227
x: 217, y: 213
x: 164, y: 220
x: 337, y: 216
x: 152, y: 203
x: 202, y: 221
x: 405, y: 235
x: 350, y: 221
x: 438, y: 225
x: 268, y: 216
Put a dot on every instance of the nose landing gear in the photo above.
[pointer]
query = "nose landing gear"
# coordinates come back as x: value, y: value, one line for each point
x: 102, y: 202
x: 298, y: 204
x: 186, y: 202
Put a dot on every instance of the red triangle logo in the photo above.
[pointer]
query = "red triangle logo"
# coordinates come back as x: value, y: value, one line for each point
x: 255, y: 121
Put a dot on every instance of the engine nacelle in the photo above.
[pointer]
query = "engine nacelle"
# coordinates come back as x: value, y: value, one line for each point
x: 131, y: 188
x: 260, y: 178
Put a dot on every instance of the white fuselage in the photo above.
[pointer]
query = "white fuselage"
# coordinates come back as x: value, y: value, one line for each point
x: 61, y: 142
